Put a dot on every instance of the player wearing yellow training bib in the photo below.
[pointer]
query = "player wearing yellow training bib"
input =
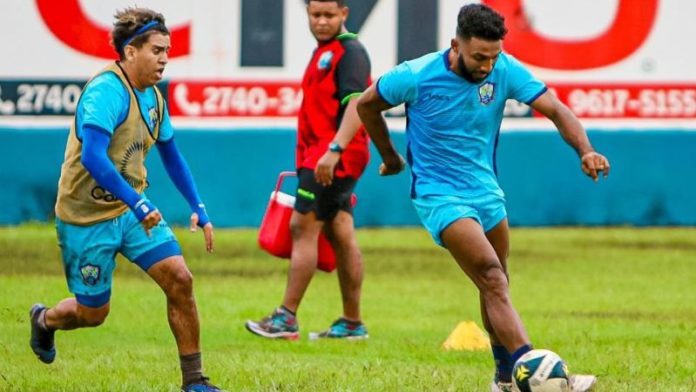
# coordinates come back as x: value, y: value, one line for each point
x: 101, y: 209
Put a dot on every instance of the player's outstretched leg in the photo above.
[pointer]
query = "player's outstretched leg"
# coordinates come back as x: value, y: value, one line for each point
x: 175, y: 279
x: 42, y: 338
x: 477, y: 257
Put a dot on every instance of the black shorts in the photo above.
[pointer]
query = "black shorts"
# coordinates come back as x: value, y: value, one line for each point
x: 324, y: 201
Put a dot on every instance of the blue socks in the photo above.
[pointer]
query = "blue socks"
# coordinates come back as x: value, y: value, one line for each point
x: 504, y: 361
x: 520, y: 352
x: 503, y: 364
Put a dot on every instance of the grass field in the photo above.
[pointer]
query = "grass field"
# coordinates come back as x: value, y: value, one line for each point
x: 620, y: 303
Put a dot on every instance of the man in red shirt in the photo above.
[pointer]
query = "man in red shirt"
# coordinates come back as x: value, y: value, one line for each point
x: 332, y: 152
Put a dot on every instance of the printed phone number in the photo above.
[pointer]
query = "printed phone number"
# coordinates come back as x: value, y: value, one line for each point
x: 662, y: 103
x: 190, y: 99
x: 39, y: 98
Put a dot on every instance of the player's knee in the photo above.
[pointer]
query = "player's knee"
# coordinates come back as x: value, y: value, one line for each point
x: 181, y: 282
x: 492, y: 280
x: 343, y: 240
x: 300, y: 230
x: 89, y: 317
x: 296, y: 229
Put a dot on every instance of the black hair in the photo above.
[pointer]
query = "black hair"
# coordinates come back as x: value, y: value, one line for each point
x: 126, y: 26
x: 480, y: 21
x: 341, y: 3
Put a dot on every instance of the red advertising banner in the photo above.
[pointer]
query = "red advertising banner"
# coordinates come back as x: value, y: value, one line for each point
x: 234, y: 99
x: 274, y: 99
x: 629, y: 100
x: 283, y: 99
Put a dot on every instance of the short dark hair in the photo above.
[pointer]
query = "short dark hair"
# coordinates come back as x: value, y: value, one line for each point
x: 126, y: 26
x: 341, y: 3
x: 480, y: 21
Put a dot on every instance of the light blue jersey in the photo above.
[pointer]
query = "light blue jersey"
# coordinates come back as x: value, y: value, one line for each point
x: 453, y: 125
x: 96, y: 229
x: 105, y: 104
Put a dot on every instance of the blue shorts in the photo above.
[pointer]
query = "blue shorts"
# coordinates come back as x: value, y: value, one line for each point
x: 89, y: 253
x: 438, y: 212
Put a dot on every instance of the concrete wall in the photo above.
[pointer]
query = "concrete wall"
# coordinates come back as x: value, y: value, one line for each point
x: 653, y: 179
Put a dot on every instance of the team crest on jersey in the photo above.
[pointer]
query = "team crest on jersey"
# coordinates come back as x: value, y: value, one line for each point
x: 90, y: 274
x: 325, y: 60
x: 486, y: 92
x: 152, y: 113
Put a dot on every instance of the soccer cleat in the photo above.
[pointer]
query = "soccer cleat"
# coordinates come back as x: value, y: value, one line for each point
x: 342, y: 329
x: 203, y: 385
x: 581, y: 382
x: 42, y: 340
x: 502, y: 387
x: 278, y: 325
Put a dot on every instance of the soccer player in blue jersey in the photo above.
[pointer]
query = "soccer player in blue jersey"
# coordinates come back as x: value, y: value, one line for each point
x: 101, y: 209
x: 454, y: 103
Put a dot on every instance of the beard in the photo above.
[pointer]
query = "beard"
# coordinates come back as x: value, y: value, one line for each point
x: 466, y: 74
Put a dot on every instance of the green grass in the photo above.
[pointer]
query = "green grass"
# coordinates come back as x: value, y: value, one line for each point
x: 615, y: 302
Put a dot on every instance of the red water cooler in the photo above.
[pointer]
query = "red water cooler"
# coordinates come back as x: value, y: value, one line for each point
x: 274, y: 233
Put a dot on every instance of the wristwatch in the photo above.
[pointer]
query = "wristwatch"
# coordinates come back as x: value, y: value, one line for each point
x: 335, y: 147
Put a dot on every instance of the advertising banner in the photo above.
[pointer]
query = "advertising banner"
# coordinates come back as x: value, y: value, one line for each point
x: 605, y: 59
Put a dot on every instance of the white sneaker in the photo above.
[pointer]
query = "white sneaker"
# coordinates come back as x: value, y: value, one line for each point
x: 502, y: 387
x: 581, y: 382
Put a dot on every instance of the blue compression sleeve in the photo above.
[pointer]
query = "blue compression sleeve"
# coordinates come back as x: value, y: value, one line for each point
x: 180, y: 174
x: 95, y: 144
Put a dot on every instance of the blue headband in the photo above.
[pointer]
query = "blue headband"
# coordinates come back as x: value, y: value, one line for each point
x: 141, y: 30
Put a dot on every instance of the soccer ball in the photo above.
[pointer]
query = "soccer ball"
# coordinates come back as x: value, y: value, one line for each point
x: 540, y: 371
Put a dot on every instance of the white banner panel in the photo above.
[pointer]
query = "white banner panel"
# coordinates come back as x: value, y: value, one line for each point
x: 605, y: 58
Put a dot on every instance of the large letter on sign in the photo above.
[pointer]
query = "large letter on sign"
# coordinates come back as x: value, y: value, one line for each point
x: 68, y: 23
x: 628, y: 31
